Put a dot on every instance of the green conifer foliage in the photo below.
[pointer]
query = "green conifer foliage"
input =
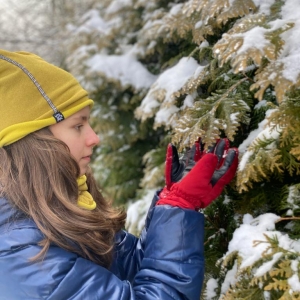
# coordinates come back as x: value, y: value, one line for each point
x: 226, y: 94
x: 220, y: 68
x: 118, y: 161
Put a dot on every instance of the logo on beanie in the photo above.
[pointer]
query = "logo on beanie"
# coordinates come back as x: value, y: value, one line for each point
x: 58, y: 116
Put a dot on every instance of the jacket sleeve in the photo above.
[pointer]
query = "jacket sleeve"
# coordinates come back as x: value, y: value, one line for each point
x: 172, y: 266
x: 129, y: 250
x: 173, y: 263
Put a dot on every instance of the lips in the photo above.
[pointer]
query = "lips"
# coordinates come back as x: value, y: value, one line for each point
x: 87, y: 158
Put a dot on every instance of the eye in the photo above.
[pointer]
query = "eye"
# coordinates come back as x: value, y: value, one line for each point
x: 78, y: 127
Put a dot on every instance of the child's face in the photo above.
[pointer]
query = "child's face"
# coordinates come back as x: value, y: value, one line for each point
x: 76, y: 132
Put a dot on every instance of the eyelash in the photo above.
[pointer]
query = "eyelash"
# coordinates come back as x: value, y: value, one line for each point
x: 78, y: 127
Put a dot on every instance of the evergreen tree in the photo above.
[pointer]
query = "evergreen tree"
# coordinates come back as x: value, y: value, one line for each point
x: 105, y: 60
x: 214, y: 68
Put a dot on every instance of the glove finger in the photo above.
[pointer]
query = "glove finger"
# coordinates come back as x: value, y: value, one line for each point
x: 189, y: 158
x: 211, y: 148
x: 177, y: 166
x: 228, y: 169
x: 220, y: 150
x: 202, y: 172
x: 187, y: 162
x: 171, y: 156
x: 198, y: 150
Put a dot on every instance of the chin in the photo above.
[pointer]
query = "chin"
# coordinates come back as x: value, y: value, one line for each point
x: 82, y: 172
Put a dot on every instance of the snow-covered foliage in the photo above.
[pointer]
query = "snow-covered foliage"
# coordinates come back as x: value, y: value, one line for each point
x: 206, y: 68
x: 137, y: 211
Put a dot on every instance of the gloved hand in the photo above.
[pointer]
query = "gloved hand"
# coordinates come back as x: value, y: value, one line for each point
x: 175, y: 168
x: 205, y: 181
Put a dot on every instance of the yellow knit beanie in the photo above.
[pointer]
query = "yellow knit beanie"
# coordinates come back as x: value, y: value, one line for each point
x: 34, y: 94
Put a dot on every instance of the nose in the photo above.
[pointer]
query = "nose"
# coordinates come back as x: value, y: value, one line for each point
x: 92, y: 138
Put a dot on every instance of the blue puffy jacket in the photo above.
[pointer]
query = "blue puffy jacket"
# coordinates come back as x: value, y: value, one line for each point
x: 165, y: 263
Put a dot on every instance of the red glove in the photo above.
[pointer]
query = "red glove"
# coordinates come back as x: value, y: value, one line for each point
x: 206, y: 180
x: 175, y: 168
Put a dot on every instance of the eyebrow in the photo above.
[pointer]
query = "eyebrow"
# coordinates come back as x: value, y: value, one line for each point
x: 82, y: 118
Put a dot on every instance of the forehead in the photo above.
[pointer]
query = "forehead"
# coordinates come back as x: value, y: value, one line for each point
x: 84, y: 112
x: 81, y: 115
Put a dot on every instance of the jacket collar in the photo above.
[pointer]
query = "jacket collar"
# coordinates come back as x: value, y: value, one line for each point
x: 10, y: 215
x: 7, y: 211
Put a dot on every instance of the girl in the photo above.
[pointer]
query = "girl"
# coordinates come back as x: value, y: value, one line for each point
x: 59, y: 239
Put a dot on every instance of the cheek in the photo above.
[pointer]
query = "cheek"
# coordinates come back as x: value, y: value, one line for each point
x: 75, y: 150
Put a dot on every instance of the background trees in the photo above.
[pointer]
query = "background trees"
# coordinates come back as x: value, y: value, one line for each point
x: 165, y: 71
x: 39, y: 26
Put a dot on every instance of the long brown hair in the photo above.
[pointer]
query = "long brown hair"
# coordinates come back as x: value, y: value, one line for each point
x: 38, y: 176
